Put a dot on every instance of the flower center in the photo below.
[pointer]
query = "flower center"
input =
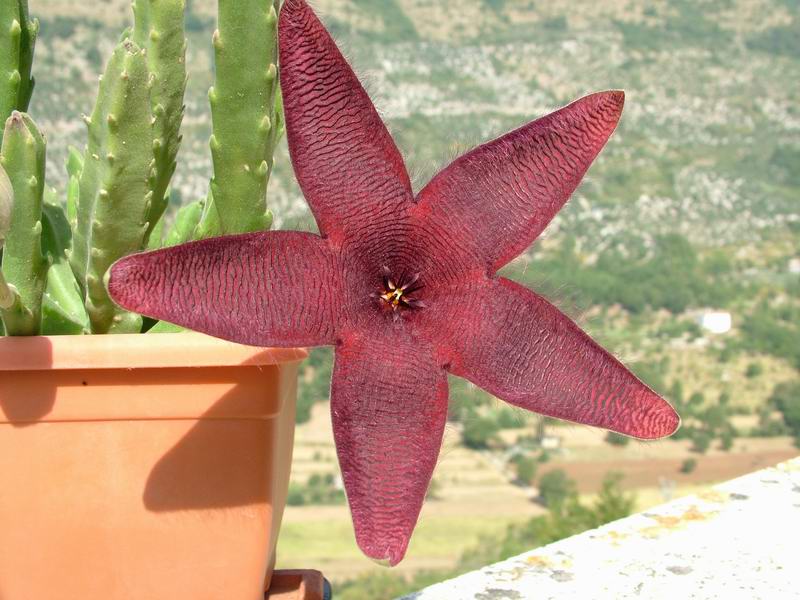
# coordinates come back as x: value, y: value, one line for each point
x: 397, y: 292
x: 393, y: 296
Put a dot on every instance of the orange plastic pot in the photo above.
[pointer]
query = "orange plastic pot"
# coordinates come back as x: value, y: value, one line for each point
x: 142, y: 466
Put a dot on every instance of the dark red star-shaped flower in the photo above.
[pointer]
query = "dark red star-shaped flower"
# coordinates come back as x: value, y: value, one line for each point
x: 405, y: 287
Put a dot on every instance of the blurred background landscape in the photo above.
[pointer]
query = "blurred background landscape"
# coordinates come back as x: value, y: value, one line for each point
x: 680, y: 252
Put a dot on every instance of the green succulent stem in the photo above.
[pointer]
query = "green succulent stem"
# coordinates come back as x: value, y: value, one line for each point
x: 55, y: 254
x: 186, y: 221
x: 243, y: 113
x: 22, y: 156
x: 9, y: 297
x: 156, y: 237
x: 6, y: 205
x: 115, y: 196
x: 63, y: 311
x: 17, y: 41
x: 74, y: 169
x: 209, y: 224
x: 159, y: 30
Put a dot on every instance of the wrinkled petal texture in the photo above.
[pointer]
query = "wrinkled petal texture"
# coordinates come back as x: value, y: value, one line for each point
x: 278, y: 288
x: 346, y: 162
x: 490, y: 204
x: 389, y: 407
x: 519, y: 347
x: 389, y: 388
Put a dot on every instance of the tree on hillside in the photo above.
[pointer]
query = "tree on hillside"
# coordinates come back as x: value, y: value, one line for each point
x: 754, y: 369
x: 715, y: 417
x: 701, y: 440
x: 479, y: 432
x: 555, y: 488
x: 726, y: 440
x: 786, y: 398
x: 315, y: 377
x: 612, y: 503
x: 617, y: 439
x: 526, y: 469
x: 676, y: 393
x: 696, y: 400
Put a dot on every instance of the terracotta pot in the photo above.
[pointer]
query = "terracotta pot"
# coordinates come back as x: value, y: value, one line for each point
x: 142, y: 466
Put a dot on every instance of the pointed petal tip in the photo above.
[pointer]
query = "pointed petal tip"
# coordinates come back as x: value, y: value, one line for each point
x: 661, y: 421
x: 604, y: 107
x: 674, y: 422
x: 386, y: 553
x: 617, y: 99
x: 617, y: 96
x: 668, y: 420
x: 381, y: 562
x: 610, y: 101
x: 383, y: 538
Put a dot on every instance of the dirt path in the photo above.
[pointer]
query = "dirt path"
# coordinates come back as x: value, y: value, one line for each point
x: 647, y: 473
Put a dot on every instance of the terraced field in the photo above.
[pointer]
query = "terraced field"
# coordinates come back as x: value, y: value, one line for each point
x: 475, y: 496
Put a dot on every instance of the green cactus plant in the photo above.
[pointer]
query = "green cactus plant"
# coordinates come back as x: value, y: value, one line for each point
x: 115, y: 196
x: 56, y: 254
x: 159, y: 30
x: 63, y: 310
x: 186, y: 221
x: 8, y: 294
x: 17, y: 40
x: 74, y: 170
x: 245, y: 105
x: 22, y: 156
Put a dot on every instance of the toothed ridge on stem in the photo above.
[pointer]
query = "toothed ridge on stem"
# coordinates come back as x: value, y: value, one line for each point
x: 244, y: 110
x: 17, y: 42
x: 22, y: 156
x: 159, y: 29
x: 115, y: 194
x: 63, y: 311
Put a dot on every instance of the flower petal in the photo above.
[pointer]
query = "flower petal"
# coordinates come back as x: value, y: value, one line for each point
x: 346, y: 162
x: 276, y: 288
x: 519, y: 347
x: 491, y: 203
x: 389, y: 407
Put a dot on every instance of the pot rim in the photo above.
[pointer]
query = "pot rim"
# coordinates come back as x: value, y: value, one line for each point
x: 135, y: 351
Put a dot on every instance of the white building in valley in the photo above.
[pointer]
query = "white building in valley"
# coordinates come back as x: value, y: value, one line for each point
x: 715, y: 321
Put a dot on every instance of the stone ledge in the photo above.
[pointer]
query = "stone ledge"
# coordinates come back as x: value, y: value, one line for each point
x: 739, y: 540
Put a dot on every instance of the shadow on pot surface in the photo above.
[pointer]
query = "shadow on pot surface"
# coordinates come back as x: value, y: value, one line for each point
x: 138, y: 478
